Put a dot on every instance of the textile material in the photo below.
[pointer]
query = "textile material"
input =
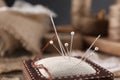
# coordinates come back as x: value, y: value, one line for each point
x: 28, y: 31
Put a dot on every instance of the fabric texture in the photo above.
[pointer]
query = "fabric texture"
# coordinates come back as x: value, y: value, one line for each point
x: 65, y: 66
x: 27, y: 31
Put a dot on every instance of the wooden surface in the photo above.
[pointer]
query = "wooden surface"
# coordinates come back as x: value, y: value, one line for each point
x: 18, y: 74
x: 66, y: 28
x: 105, y: 45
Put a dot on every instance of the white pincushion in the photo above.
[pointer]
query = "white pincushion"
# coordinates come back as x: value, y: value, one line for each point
x: 64, y: 66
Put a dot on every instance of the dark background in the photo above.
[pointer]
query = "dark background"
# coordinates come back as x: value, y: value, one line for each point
x: 62, y: 7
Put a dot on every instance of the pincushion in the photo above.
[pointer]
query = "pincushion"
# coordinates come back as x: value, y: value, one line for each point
x: 33, y: 72
x: 65, y: 66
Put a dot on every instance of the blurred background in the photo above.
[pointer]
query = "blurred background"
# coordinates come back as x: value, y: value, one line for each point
x: 26, y: 29
x: 63, y: 12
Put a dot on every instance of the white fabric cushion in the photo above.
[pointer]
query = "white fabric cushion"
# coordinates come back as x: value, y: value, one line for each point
x: 64, y: 66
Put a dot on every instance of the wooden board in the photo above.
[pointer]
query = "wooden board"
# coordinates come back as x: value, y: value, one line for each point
x: 105, y: 45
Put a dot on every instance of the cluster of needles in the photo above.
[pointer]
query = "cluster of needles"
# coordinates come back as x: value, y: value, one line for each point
x: 67, y: 49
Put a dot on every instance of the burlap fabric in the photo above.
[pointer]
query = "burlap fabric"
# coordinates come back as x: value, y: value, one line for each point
x: 7, y: 42
x: 24, y: 29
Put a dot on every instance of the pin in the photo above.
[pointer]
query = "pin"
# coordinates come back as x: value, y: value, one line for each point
x: 52, y: 43
x: 59, y: 41
x: 90, y: 47
x: 71, y: 42
x: 88, y: 50
x: 67, y: 51
x: 91, y: 53
x: 96, y: 48
x: 93, y: 43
